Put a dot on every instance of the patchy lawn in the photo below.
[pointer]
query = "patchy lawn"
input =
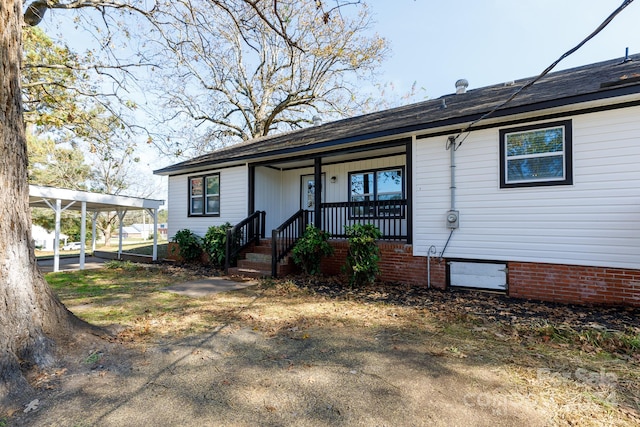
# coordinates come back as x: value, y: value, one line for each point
x: 314, y: 352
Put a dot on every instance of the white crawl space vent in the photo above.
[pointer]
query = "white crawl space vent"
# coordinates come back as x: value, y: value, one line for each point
x: 480, y: 275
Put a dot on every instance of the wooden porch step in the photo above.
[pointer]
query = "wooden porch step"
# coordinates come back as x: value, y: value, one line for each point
x: 264, y: 258
x: 258, y: 257
x: 257, y: 262
x: 266, y: 243
x: 262, y: 249
x: 260, y: 272
x: 255, y: 265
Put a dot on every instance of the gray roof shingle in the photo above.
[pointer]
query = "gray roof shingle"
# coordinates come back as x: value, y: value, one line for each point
x: 601, y: 80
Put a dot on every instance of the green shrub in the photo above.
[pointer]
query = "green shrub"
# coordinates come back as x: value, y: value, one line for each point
x: 189, y: 244
x: 310, y: 249
x: 215, y: 243
x: 363, y: 254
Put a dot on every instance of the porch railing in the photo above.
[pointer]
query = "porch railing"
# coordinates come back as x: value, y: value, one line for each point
x: 285, y: 237
x: 241, y: 235
x: 390, y: 216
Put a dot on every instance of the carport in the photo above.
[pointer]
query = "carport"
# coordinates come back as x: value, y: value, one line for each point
x: 61, y: 199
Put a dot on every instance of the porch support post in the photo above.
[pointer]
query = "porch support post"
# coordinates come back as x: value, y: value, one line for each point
x: 409, y: 189
x: 317, y: 201
x: 251, y: 197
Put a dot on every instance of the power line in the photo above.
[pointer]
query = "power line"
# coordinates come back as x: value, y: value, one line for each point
x: 546, y: 71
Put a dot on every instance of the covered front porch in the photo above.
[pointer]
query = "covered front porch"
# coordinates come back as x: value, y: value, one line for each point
x: 369, y: 184
x: 331, y: 190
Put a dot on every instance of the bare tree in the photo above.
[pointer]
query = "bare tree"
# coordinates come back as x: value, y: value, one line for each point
x: 237, y: 78
x: 34, y: 322
x: 113, y: 160
x: 33, y: 319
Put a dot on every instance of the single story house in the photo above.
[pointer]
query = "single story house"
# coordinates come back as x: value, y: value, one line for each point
x: 43, y: 239
x: 538, y: 197
x: 137, y: 231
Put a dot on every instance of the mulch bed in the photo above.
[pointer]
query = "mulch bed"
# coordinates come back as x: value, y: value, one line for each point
x: 490, y: 306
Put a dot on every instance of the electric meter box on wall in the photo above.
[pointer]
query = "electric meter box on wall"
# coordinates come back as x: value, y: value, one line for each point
x: 453, y: 219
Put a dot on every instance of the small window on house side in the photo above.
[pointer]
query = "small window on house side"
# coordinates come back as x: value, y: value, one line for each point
x: 204, y: 195
x: 373, y: 193
x: 536, y: 155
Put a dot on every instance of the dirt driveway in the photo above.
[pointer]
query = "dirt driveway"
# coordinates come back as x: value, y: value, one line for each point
x: 240, y: 377
x: 329, y: 360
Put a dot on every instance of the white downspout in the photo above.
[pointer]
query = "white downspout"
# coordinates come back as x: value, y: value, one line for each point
x: 451, y: 146
x: 453, y: 215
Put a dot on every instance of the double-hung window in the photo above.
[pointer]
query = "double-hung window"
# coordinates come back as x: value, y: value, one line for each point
x: 204, y: 195
x: 536, y: 155
x: 372, y: 193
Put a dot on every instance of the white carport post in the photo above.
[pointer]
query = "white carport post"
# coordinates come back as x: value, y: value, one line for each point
x: 57, y: 208
x: 154, y: 214
x: 83, y: 232
x: 55, y: 198
x: 56, y: 240
x: 94, y: 218
x: 121, y: 214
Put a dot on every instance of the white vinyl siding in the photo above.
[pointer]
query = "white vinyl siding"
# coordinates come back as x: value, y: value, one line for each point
x: 233, y: 201
x: 268, y: 197
x: 278, y: 192
x: 595, y: 221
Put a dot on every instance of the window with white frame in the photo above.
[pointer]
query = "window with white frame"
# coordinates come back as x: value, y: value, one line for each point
x: 536, y: 155
x: 204, y: 195
x: 373, y: 192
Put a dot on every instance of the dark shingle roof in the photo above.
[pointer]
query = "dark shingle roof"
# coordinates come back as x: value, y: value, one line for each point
x: 591, y: 82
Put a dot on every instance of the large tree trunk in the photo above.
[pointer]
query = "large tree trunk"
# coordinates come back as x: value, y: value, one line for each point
x: 32, y: 319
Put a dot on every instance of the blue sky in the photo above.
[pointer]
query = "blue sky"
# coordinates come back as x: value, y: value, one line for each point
x: 492, y: 41
x: 435, y: 43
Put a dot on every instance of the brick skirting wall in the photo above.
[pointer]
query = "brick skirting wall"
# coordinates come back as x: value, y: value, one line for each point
x: 545, y: 282
x: 574, y: 284
x: 397, y: 264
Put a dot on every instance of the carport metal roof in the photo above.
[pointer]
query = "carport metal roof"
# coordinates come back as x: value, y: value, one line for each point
x: 61, y: 199
x: 95, y: 202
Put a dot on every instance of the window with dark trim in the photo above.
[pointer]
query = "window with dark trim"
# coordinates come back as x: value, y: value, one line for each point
x: 536, y: 155
x: 204, y: 195
x: 372, y: 193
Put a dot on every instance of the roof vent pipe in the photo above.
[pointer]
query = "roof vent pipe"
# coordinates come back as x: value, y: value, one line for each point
x: 461, y: 86
x: 317, y: 120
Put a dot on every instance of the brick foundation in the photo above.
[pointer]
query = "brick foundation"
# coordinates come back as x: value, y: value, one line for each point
x: 574, y: 284
x: 544, y: 282
x: 397, y: 264
x: 173, y: 253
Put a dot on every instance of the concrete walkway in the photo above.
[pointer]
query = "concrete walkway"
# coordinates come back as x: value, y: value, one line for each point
x: 71, y: 263
x: 208, y: 286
